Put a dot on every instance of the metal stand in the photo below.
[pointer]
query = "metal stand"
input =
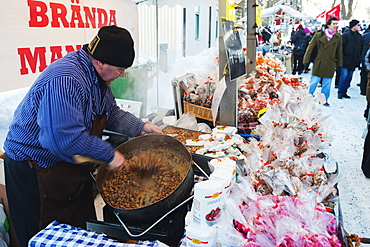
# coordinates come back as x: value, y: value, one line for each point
x: 178, y: 92
x: 228, y: 105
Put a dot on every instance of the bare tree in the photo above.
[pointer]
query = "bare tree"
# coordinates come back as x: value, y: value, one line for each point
x: 367, y: 12
x: 346, y: 10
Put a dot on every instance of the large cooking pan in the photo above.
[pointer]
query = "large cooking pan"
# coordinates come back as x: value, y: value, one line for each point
x: 153, y: 212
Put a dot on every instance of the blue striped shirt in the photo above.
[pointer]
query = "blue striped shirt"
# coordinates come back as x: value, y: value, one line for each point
x: 53, y: 121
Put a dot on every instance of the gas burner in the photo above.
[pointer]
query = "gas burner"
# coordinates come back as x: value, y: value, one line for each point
x: 169, y: 230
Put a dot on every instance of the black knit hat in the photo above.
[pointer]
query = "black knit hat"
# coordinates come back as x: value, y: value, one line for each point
x: 353, y: 23
x: 114, y: 46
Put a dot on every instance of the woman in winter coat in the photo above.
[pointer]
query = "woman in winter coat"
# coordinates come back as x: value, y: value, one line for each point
x: 300, y: 42
x: 329, y: 56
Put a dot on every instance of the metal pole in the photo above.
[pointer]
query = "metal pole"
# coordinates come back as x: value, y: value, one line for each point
x: 228, y: 107
x: 251, y: 36
x: 221, y: 46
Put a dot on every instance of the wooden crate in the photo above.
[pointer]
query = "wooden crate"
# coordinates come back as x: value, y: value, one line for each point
x: 199, y: 111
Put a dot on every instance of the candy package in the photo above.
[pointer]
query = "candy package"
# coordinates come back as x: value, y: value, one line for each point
x: 207, y: 203
x: 200, y: 236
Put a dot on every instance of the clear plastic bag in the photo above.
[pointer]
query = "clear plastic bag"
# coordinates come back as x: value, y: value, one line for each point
x: 187, y: 121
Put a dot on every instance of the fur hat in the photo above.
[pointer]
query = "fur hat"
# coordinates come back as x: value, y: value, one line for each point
x: 353, y: 23
x: 114, y: 46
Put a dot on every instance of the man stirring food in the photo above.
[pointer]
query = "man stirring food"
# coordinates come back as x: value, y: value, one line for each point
x: 62, y: 115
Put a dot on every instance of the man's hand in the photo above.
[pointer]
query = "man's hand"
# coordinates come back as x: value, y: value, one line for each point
x: 118, y: 163
x: 151, y: 128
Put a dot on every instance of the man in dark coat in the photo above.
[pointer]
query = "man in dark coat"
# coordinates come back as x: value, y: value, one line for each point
x: 364, y: 71
x: 266, y: 34
x: 351, y: 47
x: 300, y: 42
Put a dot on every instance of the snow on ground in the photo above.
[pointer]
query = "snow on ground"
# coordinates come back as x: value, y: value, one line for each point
x: 347, y: 128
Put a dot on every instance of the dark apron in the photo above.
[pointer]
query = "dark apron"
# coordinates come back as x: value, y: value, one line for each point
x: 66, y: 189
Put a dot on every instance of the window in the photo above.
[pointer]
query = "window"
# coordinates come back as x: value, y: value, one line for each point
x: 216, y: 30
x: 197, y: 22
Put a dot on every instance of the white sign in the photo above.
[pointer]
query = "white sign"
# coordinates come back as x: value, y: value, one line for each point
x: 217, y: 96
x: 36, y: 33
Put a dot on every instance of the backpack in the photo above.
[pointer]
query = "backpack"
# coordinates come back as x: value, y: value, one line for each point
x: 315, y: 50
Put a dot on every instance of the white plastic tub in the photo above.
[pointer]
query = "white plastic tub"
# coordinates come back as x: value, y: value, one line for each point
x: 130, y: 106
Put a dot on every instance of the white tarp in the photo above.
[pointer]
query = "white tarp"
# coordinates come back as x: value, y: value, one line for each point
x: 288, y: 11
x: 183, y: 3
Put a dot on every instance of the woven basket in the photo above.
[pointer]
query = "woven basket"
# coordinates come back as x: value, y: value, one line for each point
x: 198, y: 111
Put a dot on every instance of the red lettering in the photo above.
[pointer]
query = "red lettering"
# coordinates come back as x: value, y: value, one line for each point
x: 90, y: 17
x: 38, y: 17
x: 58, y: 11
x: 56, y: 53
x: 76, y: 16
x: 39, y: 56
x: 25, y: 54
x: 102, y: 18
x: 112, y: 18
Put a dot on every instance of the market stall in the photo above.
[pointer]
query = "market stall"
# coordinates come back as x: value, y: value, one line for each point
x: 288, y: 165
x: 266, y: 182
x: 286, y: 9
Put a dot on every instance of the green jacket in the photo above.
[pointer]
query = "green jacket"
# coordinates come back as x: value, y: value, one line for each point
x: 329, y: 55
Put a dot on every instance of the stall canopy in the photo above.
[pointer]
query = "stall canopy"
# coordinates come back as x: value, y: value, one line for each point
x: 287, y: 10
x: 183, y: 3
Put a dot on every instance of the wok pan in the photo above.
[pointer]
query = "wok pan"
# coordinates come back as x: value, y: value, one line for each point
x: 154, y: 212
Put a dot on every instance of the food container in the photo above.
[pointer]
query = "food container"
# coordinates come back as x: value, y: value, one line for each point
x: 153, y: 212
x: 289, y: 120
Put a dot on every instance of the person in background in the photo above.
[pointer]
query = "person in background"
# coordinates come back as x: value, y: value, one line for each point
x: 351, y: 48
x: 345, y: 29
x: 63, y: 115
x: 329, y: 56
x: 364, y: 70
x: 367, y: 66
x: 337, y: 69
x: 312, y: 34
x: 365, y: 165
x: 265, y: 48
x: 266, y: 34
x: 259, y: 38
x: 291, y: 35
x: 309, y: 38
x: 300, y: 44
x: 337, y: 77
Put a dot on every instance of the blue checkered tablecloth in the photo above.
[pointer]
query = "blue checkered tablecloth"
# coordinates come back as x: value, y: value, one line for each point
x: 63, y: 235
x: 197, y: 178
x: 183, y: 240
